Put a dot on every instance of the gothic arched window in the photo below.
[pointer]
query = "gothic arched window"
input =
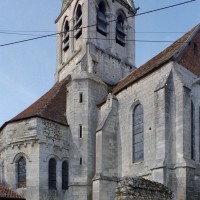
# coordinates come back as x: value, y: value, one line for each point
x: 66, y: 36
x: 101, y: 19
x: 192, y: 131
x: 52, y: 174
x: 120, y: 33
x: 21, y: 166
x: 138, y: 134
x: 78, y: 22
x: 65, y: 175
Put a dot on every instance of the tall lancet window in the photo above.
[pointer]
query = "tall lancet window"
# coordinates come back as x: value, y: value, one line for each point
x: 101, y: 19
x: 52, y: 174
x: 120, y: 32
x: 138, y: 134
x: 66, y: 36
x: 78, y: 22
x: 65, y: 176
x: 192, y: 131
x: 21, y: 172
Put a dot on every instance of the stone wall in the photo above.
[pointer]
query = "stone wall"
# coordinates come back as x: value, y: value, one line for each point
x: 141, y: 189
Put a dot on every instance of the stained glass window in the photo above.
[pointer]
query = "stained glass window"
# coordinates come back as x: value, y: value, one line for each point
x: 21, y: 172
x: 138, y: 134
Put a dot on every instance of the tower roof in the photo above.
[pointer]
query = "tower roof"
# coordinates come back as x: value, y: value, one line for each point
x: 129, y: 2
x: 51, y: 106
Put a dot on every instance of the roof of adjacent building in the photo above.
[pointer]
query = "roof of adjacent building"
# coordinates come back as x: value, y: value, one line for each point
x: 6, y: 193
x: 51, y: 106
x: 173, y: 52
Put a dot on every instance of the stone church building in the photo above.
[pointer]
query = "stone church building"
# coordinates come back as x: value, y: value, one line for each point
x: 104, y: 118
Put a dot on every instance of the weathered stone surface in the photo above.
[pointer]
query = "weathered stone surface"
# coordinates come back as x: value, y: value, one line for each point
x: 141, y: 189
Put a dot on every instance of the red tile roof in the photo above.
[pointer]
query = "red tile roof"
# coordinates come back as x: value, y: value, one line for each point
x: 51, y: 106
x: 168, y: 54
x: 6, y: 193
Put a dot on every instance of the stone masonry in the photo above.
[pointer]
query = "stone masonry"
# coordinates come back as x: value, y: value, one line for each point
x: 141, y: 189
x: 81, y: 137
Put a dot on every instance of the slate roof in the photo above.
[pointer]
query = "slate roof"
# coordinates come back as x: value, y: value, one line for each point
x: 170, y: 53
x: 8, y: 194
x: 51, y: 106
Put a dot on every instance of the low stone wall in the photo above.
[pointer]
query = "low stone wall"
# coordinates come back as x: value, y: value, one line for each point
x: 141, y: 189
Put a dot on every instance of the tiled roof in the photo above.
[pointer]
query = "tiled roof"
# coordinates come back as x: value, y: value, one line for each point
x: 6, y: 193
x: 51, y: 106
x: 169, y: 53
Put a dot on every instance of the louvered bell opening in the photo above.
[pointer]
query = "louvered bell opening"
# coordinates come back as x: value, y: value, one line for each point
x: 102, y: 23
x: 78, y: 29
x: 66, y: 42
x: 120, y: 35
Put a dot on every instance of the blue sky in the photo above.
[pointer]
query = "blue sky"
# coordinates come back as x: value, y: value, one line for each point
x: 27, y: 69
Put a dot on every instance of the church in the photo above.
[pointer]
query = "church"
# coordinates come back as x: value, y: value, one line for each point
x: 104, y: 119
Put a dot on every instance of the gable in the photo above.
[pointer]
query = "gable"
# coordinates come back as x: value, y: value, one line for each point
x: 190, y: 57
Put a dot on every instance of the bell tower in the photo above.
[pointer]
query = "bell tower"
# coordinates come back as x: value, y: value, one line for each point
x: 97, y: 36
x: 96, y: 47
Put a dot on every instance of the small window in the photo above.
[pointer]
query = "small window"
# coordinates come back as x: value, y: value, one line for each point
x: 66, y: 36
x: 192, y: 131
x: 65, y: 175
x: 21, y: 172
x: 101, y: 19
x: 52, y: 174
x: 120, y: 33
x: 81, y: 161
x: 80, y: 131
x: 80, y: 97
x: 78, y: 23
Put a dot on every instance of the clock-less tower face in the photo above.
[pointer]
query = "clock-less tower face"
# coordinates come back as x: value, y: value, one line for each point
x: 96, y: 36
